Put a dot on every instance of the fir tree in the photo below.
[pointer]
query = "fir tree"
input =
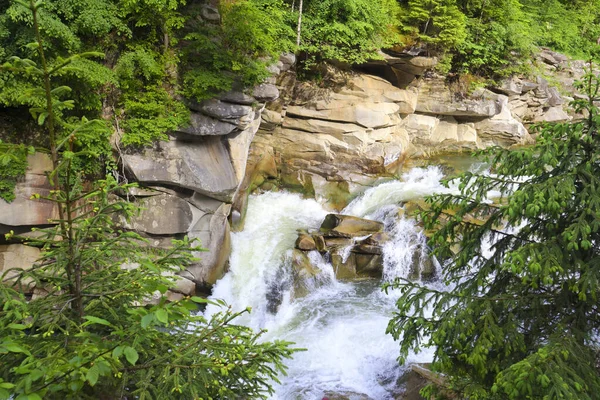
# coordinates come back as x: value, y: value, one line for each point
x: 521, y: 319
x: 88, y: 333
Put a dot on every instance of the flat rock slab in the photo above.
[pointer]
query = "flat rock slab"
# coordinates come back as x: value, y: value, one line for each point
x: 23, y: 210
x: 204, y: 166
x: 338, y: 225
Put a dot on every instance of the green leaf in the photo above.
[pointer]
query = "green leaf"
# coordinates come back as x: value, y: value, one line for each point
x: 162, y: 316
x: 96, y: 320
x: 147, y: 320
x: 92, y: 375
x: 200, y: 300
x: 13, y: 348
x: 117, y: 352
x: 131, y: 355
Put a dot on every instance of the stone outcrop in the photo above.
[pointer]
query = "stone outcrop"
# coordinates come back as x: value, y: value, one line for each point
x: 199, y: 171
x: 15, y: 258
x: 329, y: 142
x: 354, y: 246
x: 24, y: 211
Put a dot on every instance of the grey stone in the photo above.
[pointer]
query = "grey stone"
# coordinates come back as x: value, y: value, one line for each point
x: 25, y: 210
x: 202, y: 125
x: 213, y: 233
x: 15, y: 258
x: 222, y: 110
x: 553, y: 114
x: 164, y: 215
x: 203, y: 166
x: 437, y: 99
x: 265, y: 92
x: 238, y: 97
x: 511, y: 87
x: 527, y: 86
x: 210, y: 13
x: 288, y: 59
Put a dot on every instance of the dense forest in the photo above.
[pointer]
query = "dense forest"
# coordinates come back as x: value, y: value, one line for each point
x: 156, y: 52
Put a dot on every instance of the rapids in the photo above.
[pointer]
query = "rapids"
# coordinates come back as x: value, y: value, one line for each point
x: 341, y: 324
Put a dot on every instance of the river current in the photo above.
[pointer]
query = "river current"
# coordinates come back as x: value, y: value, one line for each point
x: 341, y: 324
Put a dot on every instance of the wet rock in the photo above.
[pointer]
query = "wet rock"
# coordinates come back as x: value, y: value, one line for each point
x: 303, y: 273
x: 346, y: 396
x: 369, y: 265
x: 344, y: 268
x: 305, y: 242
x: 345, y: 226
x: 213, y: 232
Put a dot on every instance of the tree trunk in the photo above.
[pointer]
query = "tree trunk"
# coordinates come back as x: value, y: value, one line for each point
x: 299, y: 23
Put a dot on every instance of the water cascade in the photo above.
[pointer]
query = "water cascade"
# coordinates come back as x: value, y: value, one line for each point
x: 341, y: 324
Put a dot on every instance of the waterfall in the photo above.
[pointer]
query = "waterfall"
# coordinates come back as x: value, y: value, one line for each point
x: 341, y: 324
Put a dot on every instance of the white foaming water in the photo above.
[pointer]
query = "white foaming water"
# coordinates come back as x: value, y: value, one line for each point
x: 341, y: 324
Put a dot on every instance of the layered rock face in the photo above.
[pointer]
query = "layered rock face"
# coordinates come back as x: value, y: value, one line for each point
x: 195, y: 176
x: 327, y: 142
x: 330, y: 142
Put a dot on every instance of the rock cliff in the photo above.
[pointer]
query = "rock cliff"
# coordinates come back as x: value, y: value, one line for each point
x: 327, y: 141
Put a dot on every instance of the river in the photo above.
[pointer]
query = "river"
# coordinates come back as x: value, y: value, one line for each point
x: 340, y: 324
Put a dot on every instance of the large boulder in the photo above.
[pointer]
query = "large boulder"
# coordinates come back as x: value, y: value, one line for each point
x: 431, y: 134
x: 14, y: 259
x: 436, y: 98
x: 213, y: 232
x: 165, y: 214
x: 202, y: 125
x: 204, y: 166
x: 365, y: 114
x: 502, y: 129
x: 346, y: 226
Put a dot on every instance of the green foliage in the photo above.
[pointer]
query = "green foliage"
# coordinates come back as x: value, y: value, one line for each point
x: 498, y: 38
x: 518, y: 320
x: 436, y: 22
x: 251, y: 35
x: 13, y: 164
x: 150, y: 115
x: 350, y: 31
x: 90, y: 331
x: 569, y: 27
x: 102, y: 341
x: 149, y: 109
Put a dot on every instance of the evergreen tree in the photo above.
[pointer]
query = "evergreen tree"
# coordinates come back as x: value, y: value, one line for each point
x: 437, y: 22
x: 521, y: 319
x: 88, y: 333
